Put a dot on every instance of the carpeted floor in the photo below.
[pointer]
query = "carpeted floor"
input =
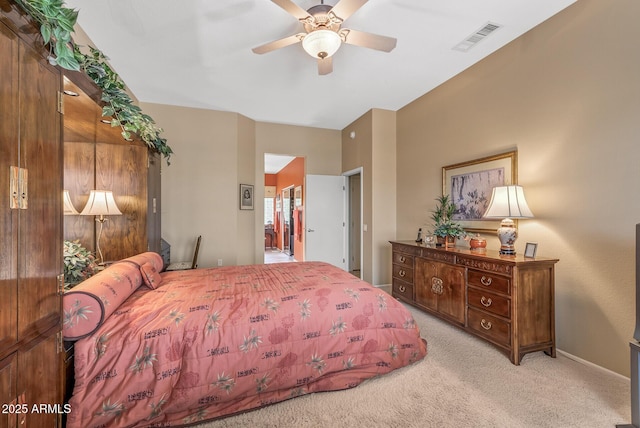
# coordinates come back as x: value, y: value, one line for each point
x: 462, y: 382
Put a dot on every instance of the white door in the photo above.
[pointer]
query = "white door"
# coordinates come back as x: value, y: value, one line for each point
x: 325, y: 219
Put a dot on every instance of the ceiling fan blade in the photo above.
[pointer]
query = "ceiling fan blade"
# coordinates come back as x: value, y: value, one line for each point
x: 325, y: 66
x: 293, y: 9
x: 368, y: 40
x: 277, y: 44
x: 346, y: 8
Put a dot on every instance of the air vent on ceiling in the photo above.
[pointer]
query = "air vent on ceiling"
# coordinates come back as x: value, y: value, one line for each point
x: 477, y: 36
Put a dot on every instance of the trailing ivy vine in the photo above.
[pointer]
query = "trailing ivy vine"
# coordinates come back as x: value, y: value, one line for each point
x: 56, y: 25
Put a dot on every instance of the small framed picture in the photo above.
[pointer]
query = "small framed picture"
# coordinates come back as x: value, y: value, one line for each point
x: 298, y: 196
x: 530, y: 249
x: 246, y: 196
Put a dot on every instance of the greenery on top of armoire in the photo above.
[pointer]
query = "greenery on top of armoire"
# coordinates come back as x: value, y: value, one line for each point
x: 56, y: 25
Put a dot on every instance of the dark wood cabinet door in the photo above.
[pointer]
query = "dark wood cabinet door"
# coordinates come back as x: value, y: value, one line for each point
x: 40, y: 224
x: 8, y: 217
x: 440, y: 287
x: 451, y: 301
x: 8, y: 392
x: 31, y: 225
x: 154, y: 225
x: 39, y: 381
x: 425, y: 274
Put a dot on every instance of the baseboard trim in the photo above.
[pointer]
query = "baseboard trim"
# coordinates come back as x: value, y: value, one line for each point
x: 589, y: 363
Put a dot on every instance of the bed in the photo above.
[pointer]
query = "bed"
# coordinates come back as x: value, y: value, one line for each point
x: 177, y: 348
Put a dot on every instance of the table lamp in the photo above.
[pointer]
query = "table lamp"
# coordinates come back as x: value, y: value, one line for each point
x: 508, y: 203
x: 100, y: 204
x: 69, y: 209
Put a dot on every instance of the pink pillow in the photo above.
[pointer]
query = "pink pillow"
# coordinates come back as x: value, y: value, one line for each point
x: 150, y: 265
x: 150, y: 275
x: 149, y: 257
x: 91, y: 302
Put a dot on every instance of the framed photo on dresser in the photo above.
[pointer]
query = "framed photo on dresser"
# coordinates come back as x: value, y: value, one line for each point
x: 530, y: 250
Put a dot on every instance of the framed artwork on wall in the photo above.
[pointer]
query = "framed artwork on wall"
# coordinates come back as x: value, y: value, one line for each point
x: 469, y: 185
x: 246, y: 196
x: 297, y: 194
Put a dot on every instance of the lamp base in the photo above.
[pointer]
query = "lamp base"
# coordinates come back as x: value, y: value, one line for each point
x: 507, y: 234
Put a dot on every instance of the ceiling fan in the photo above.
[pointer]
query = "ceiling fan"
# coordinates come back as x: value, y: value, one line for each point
x: 324, y: 34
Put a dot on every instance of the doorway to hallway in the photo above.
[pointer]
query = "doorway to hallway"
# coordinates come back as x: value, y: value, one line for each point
x: 354, y: 221
x: 277, y: 256
x: 284, y: 207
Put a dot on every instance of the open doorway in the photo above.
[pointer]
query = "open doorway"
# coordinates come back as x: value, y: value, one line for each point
x: 354, y: 221
x: 288, y: 239
x: 284, y: 178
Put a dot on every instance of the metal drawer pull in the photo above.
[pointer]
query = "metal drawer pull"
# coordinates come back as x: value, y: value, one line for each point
x: 486, y: 302
x: 485, y: 281
x: 402, y: 259
x: 485, y: 324
x: 402, y: 273
x: 402, y: 289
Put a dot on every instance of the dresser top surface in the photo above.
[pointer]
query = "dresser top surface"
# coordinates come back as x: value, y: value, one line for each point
x: 482, y: 253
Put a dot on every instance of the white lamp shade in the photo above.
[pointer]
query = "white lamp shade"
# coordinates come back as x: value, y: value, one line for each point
x: 321, y: 43
x: 69, y: 209
x: 508, y: 201
x: 101, y: 202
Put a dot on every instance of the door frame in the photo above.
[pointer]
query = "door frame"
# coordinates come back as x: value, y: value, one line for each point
x: 348, y: 174
x: 290, y: 190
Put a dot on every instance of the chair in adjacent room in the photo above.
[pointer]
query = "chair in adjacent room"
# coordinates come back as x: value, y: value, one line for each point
x: 193, y: 264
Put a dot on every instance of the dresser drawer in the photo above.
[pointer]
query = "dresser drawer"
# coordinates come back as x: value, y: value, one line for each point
x: 402, y: 289
x: 489, y: 281
x: 403, y: 273
x: 403, y: 259
x: 489, y: 326
x: 490, y: 302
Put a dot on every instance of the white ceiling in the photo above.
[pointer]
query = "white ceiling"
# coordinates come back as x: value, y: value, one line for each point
x: 197, y: 53
x: 274, y: 163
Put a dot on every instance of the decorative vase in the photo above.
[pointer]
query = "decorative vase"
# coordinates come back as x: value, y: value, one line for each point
x: 450, y: 241
x: 477, y: 242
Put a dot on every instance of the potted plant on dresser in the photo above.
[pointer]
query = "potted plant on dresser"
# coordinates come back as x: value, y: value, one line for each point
x: 445, y: 228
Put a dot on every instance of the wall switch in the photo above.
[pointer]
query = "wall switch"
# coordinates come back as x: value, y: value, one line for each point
x: 219, y: 262
x: 365, y: 227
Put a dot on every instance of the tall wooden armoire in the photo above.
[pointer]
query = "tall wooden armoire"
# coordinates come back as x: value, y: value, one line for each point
x: 30, y: 226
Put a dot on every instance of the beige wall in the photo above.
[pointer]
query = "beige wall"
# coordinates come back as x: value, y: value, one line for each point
x: 566, y: 95
x: 321, y: 149
x: 247, y: 230
x: 200, y: 187
x: 215, y: 152
x: 373, y: 149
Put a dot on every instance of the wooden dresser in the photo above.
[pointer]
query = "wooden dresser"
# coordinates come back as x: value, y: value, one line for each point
x: 505, y: 300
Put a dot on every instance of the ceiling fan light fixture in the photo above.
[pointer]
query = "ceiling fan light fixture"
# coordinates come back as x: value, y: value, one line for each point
x: 321, y: 43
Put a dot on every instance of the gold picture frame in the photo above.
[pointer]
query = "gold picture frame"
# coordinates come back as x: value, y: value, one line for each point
x: 470, y: 184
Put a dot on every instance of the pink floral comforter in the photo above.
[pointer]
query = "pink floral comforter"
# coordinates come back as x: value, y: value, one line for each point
x: 213, y: 342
